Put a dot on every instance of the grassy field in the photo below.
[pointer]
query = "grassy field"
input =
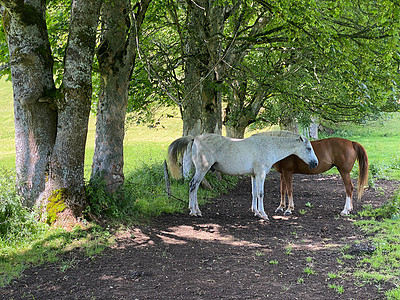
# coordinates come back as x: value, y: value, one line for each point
x: 7, y: 144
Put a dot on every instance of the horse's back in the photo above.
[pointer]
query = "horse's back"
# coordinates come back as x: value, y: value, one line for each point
x: 228, y: 155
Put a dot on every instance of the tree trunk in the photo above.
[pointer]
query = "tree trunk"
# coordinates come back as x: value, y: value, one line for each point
x: 202, y: 105
x: 51, y: 127
x: 65, y: 184
x: 116, y: 55
x: 288, y: 124
x: 35, y: 114
x: 240, y: 113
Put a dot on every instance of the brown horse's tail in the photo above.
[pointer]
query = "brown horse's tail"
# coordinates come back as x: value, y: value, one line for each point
x: 175, y: 150
x: 362, y: 168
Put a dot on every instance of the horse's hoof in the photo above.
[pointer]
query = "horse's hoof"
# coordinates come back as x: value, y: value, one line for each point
x: 265, y: 219
x: 345, y: 213
x: 287, y: 213
x: 279, y: 210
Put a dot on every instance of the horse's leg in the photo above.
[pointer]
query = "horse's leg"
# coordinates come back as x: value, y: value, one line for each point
x: 260, y: 179
x: 193, y: 187
x: 254, y: 196
x: 282, y: 205
x: 289, y: 190
x: 348, y: 206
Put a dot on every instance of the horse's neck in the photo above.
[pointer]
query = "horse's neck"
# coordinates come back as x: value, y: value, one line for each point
x: 281, y: 147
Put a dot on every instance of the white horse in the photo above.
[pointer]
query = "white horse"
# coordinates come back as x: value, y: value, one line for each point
x: 254, y: 155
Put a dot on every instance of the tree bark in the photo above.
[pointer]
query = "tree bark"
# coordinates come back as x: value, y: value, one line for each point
x: 240, y: 113
x: 35, y: 114
x: 116, y: 55
x: 66, y: 169
x: 201, y: 109
x: 51, y: 126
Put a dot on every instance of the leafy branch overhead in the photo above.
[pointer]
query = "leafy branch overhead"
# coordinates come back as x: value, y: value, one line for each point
x: 335, y: 59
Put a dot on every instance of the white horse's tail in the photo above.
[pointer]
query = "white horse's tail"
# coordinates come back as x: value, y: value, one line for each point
x: 187, y: 162
x: 175, y: 150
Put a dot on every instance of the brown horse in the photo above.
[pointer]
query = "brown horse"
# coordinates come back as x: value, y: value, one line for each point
x: 337, y: 152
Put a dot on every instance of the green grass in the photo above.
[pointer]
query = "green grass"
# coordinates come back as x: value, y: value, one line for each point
x: 7, y: 143
x: 382, y: 227
x: 337, y: 288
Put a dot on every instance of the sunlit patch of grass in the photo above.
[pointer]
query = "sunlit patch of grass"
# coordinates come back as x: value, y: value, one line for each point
x: 393, y: 294
x: 46, y: 246
x: 7, y: 139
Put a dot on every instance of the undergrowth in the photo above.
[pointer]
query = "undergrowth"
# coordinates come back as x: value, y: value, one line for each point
x: 382, y: 226
x: 143, y: 195
x: 17, y: 222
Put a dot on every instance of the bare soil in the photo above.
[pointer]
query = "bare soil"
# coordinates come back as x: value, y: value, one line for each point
x: 226, y: 254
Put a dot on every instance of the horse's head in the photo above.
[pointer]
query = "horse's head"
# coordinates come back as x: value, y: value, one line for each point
x: 306, y: 152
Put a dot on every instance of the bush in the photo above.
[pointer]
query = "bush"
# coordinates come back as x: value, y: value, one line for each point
x: 101, y: 203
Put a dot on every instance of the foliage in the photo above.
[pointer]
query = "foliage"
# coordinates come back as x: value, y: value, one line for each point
x: 58, y: 15
x: 4, y: 55
x: 333, y: 64
x: 157, y: 79
x: 300, y: 59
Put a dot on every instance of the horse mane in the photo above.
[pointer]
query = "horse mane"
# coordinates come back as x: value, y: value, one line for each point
x: 280, y: 133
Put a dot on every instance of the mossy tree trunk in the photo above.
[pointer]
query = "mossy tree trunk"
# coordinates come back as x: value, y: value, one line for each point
x: 51, y: 126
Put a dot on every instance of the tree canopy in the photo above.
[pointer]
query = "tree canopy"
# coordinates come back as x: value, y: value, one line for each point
x: 337, y: 60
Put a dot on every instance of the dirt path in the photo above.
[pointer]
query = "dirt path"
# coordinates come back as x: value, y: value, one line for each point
x: 226, y: 254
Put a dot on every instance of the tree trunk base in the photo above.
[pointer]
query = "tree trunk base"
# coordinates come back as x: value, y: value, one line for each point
x: 66, y: 219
